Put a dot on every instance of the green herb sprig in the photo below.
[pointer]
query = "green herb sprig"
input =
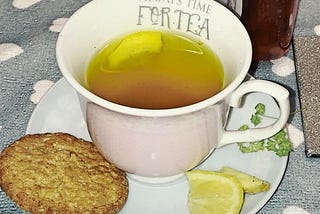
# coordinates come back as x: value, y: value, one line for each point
x: 279, y: 143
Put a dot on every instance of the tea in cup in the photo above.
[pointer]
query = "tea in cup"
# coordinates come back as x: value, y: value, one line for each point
x: 161, y: 109
x: 155, y: 70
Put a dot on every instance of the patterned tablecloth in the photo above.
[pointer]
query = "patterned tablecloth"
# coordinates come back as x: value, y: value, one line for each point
x: 28, y: 34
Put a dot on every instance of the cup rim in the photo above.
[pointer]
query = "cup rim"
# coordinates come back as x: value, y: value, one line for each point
x: 154, y: 112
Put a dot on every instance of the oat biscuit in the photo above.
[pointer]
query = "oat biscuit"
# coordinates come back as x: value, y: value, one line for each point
x: 59, y: 173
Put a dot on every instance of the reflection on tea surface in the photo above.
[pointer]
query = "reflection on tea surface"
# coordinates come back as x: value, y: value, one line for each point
x: 155, y: 70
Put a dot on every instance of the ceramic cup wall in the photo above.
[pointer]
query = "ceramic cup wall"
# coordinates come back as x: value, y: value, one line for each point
x: 163, y: 144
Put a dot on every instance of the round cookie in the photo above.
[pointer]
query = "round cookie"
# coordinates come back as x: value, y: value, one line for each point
x: 59, y: 173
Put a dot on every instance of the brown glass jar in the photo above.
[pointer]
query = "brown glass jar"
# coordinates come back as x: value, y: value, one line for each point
x: 270, y: 24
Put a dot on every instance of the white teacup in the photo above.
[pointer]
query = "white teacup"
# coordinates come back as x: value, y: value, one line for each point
x: 163, y: 143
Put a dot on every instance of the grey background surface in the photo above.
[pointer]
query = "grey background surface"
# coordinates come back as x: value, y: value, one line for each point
x: 28, y: 28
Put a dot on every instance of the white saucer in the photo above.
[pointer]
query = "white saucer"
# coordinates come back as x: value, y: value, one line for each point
x: 58, y: 111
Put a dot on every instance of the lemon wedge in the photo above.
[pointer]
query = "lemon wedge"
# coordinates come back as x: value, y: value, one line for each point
x: 250, y: 183
x: 214, y: 193
x: 135, y: 49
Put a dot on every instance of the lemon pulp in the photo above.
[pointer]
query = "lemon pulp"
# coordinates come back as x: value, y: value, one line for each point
x: 214, y: 193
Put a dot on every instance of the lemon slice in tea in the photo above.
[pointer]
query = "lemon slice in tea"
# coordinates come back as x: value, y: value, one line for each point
x: 136, y: 48
x: 214, y: 193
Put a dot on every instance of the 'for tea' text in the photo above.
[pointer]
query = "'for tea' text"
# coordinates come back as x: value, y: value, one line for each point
x: 178, y: 19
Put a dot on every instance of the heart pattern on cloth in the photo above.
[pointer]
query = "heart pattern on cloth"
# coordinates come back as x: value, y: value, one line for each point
x: 294, y: 210
x: 40, y: 88
x: 317, y: 30
x: 283, y: 66
x: 23, y: 4
x: 58, y: 24
x: 295, y: 135
x: 9, y: 50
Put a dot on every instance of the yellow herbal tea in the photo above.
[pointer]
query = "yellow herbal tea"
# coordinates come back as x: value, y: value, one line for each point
x: 155, y: 70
